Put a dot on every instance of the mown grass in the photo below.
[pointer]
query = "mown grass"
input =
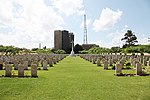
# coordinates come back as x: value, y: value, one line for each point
x: 75, y: 79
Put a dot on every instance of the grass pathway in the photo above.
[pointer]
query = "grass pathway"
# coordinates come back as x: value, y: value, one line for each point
x: 75, y: 79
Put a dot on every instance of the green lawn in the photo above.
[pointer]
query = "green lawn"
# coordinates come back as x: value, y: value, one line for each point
x: 75, y: 79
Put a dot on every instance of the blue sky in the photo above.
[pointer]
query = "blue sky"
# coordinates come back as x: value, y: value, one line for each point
x: 26, y: 23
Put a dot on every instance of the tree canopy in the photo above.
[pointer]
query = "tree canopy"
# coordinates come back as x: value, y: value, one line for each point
x: 129, y: 38
x: 77, y: 48
x: 10, y: 50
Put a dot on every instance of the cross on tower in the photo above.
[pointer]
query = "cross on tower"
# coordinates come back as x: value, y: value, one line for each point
x: 72, y: 52
x: 72, y: 45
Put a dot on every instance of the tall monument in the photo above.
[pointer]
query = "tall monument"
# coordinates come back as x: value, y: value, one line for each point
x: 39, y: 45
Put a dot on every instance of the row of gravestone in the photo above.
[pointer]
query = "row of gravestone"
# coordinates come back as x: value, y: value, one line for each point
x: 118, y: 61
x: 30, y: 58
x: 23, y: 62
x: 8, y: 70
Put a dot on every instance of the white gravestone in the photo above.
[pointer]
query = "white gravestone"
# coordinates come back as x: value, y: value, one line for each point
x: 25, y: 63
x: 98, y: 61
x: 34, y: 70
x: 138, y: 69
x: 118, y: 68
x: 20, y: 70
x: 105, y: 64
x: 8, y: 69
x: 44, y: 65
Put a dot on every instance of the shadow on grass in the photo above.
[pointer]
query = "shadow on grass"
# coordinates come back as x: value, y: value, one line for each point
x: 16, y: 76
x: 121, y: 74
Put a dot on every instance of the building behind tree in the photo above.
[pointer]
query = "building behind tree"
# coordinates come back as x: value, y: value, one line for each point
x: 88, y: 46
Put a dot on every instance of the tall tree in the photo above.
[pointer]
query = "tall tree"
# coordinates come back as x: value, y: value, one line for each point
x: 130, y: 39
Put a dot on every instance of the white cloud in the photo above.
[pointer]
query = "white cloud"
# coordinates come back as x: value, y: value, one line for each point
x: 69, y: 7
x: 119, y: 34
x: 107, y: 19
x: 99, y: 42
x: 142, y: 40
x: 116, y: 37
x: 31, y: 22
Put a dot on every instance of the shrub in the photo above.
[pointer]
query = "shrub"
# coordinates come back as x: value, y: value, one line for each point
x: 113, y: 67
x: 128, y: 64
x: 128, y: 67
